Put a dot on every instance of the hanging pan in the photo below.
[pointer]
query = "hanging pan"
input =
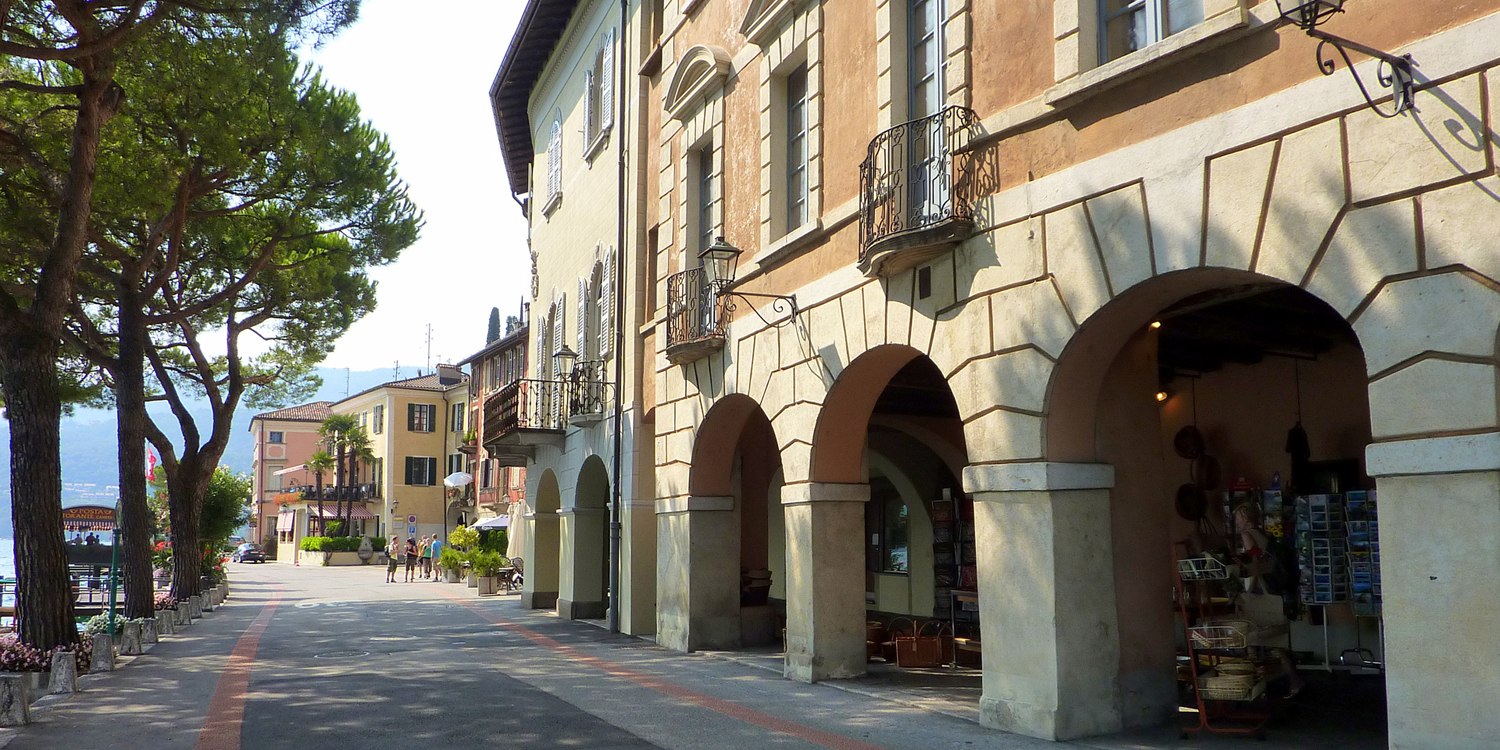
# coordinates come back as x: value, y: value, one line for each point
x: 1188, y: 443
x: 1191, y: 502
x: 1206, y: 472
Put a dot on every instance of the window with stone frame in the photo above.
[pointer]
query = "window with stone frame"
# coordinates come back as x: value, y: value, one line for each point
x: 599, y: 99
x: 1126, y: 26
x: 554, y: 165
x: 796, y: 187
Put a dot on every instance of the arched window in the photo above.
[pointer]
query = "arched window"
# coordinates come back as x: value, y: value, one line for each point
x: 554, y: 163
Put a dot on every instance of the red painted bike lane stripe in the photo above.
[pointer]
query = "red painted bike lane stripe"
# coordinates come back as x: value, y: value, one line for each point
x: 226, y: 709
x: 718, y: 705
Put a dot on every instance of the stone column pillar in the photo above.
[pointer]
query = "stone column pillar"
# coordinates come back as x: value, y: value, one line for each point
x: 584, y: 575
x: 638, y: 571
x: 825, y: 580
x: 698, y: 573
x: 1439, y: 505
x: 539, y: 591
x: 1046, y: 597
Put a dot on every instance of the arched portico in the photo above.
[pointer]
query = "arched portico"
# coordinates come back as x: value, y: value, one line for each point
x: 584, y: 540
x: 539, y: 591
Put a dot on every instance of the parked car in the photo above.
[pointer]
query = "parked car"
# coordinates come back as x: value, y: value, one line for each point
x: 247, y: 553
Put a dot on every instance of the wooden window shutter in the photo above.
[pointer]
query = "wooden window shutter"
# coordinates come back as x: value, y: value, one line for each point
x: 607, y: 84
x: 409, y: 465
x: 559, y: 319
x: 583, y: 318
x: 607, y: 306
x: 411, y: 417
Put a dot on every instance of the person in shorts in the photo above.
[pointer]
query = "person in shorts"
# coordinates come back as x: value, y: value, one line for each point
x: 411, y: 559
x: 427, y: 556
x: 437, y: 558
x: 393, y: 555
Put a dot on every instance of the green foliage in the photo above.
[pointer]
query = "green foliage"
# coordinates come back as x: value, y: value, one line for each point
x: 225, y: 508
x: 452, y: 559
x: 487, y: 564
x: 493, y: 334
x: 335, y: 528
x: 463, y: 537
x: 494, y: 540
x: 338, y: 543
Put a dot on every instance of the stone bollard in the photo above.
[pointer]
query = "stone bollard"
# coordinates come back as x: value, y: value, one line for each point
x: 130, y: 639
x: 184, y: 616
x: 15, y: 699
x: 206, y: 602
x: 103, y: 658
x: 223, y: 590
x: 164, y: 620
x: 64, y: 673
x: 195, y: 607
x: 148, y: 632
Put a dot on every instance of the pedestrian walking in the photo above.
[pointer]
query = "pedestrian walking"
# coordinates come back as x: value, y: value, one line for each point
x: 437, y: 558
x: 411, y: 559
x: 393, y: 555
x: 427, y: 556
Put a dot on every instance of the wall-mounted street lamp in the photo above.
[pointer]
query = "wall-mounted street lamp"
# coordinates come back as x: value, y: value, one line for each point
x: 1395, y: 73
x: 566, y: 359
x: 719, y: 261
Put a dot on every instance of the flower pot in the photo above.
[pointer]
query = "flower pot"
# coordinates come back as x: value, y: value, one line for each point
x: 488, y: 585
x: 472, y: 580
x: 450, y: 575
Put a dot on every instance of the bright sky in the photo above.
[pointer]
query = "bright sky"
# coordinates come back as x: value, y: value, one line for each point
x: 422, y: 72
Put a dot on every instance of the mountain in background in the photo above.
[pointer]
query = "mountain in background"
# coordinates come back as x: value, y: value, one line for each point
x: 90, y: 470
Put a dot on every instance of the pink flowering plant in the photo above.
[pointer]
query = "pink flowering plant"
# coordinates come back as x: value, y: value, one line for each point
x: 16, y: 656
x: 164, y: 600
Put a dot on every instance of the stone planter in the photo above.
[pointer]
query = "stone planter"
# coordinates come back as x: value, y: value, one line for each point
x: 450, y: 575
x: 223, y: 590
x: 166, y: 622
x: 130, y: 640
x: 15, y: 698
x: 488, y: 585
x: 472, y: 580
x: 195, y: 607
x: 206, y: 601
x: 149, y: 634
x: 64, y: 673
x: 330, y: 559
x: 183, y: 616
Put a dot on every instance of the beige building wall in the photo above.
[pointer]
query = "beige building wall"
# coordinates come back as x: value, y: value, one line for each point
x: 1103, y: 194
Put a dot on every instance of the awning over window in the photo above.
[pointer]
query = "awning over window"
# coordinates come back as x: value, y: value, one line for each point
x: 356, y: 512
x: 88, y: 518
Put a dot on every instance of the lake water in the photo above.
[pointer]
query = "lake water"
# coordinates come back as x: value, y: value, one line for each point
x: 7, y: 558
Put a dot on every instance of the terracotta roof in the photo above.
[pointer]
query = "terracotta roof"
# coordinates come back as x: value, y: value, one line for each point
x: 516, y: 338
x: 429, y: 382
x: 316, y: 411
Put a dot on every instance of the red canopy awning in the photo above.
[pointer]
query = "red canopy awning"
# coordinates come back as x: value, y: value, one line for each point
x: 357, y: 512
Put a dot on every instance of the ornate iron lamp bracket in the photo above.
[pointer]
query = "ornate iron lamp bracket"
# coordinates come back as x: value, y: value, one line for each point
x: 781, y: 305
x: 1394, y: 73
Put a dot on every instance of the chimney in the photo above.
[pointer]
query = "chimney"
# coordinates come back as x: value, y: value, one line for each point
x: 449, y: 375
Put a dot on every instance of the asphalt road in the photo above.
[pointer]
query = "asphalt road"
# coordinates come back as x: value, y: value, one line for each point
x: 336, y: 658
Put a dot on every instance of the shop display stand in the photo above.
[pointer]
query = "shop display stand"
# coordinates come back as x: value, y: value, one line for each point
x: 956, y: 572
x: 1222, y: 699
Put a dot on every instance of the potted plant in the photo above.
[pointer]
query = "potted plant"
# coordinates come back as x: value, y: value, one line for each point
x: 452, y: 561
x: 487, y: 567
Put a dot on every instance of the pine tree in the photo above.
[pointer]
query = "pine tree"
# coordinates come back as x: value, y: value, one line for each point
x: 494, y: 332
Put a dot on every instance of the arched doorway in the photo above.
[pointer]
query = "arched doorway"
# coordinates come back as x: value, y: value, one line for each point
x: 726, y: 540
x: 880, y: 531
x: 1209, y: 415
x: 584, y: 586
x: 542, y: 544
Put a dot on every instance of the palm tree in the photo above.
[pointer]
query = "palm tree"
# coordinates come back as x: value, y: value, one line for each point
x: 318, y: 463
x: 335, y: 430
x: 358, y: 446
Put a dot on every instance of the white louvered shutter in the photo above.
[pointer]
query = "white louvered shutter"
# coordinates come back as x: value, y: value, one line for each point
x: 607, y: 307
x: 607, y: 85
x: 590, y: 108
x: 583, y: 318
x: 554, y: 161
x: 559, y: 328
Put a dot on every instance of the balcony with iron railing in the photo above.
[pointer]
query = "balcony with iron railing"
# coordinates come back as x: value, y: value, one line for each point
x: 916, y: 197
x: 529, y: 413
x: 363, y: 491
x: 697, y: 313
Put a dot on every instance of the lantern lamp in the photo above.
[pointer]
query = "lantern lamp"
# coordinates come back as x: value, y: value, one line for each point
x: 1309, y: 14
x: 719, y: 262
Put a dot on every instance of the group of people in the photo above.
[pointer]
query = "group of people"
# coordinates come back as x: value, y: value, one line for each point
x: 423, y: 558
x: 90, y: 540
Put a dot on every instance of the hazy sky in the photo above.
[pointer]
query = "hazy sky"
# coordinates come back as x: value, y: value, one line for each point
x: 422, y: 72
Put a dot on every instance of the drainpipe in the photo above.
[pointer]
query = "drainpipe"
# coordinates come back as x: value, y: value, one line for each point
x: 620, y: 261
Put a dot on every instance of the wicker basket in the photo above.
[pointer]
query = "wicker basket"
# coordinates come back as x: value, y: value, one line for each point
x: 1226, y: 687
x: 1205, y: 568
x: 1223, y: 634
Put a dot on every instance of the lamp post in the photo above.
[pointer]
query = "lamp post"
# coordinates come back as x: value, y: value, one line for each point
x: 1394, y: 72
x: 720, y: 261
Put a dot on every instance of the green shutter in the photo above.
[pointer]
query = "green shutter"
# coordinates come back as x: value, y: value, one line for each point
x: 409, y: 465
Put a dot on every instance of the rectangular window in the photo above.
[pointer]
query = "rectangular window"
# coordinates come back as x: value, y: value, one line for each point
x: 421, y: 417
x: 458, y: 418
x: 487, y: 475
x: 276, y: 437
x: 379, y: 418
x: 705, y: 164
x: 796, y: 148
x: 1130, y: 25
x: 420, y: 471
x: 924, y: 34
x: 377, y: 473
x: 455, y: 463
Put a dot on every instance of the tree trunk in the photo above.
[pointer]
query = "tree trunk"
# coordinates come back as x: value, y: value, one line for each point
x: 186, y: 489
x: 321, y: 530
x: 28, y: 380
x: 130, y: 413
x: 340, y: 489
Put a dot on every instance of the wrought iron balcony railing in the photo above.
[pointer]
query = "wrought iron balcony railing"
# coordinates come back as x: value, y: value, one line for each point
x: 697, y: 312
x: 547, y: 404
x: 915, y: 177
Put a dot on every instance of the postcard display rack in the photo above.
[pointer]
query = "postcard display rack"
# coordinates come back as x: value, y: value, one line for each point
x: 1338, y: 559
x: 956, y: 571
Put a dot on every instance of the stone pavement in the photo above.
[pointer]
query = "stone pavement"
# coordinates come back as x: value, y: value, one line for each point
x: 336, y: 658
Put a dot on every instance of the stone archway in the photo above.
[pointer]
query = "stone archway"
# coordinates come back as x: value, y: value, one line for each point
x: 542, y: 544
x: 584, y: 541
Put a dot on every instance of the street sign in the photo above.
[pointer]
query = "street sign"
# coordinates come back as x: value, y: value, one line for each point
x: 411, y: 520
